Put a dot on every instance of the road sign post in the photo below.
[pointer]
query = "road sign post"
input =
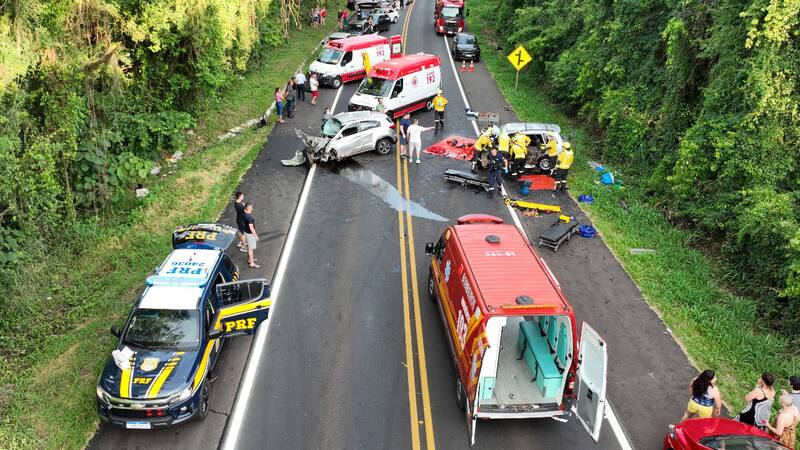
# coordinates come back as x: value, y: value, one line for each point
x: 519, y: 58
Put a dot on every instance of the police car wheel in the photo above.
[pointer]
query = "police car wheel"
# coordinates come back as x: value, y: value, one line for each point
x: 384, y: 146
x: 431, y: 288
x: 202, y: 407
x: 336, y: 82
x: 461, y: 399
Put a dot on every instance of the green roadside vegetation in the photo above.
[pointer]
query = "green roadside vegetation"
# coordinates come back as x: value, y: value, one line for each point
x: 718, y: 330
x: 56, y: 328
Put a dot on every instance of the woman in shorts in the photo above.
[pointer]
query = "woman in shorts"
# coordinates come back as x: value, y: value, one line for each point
x: 705, y: 400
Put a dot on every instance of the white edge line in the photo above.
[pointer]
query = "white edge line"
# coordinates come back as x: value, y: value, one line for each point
x: 622, y: 439
x: 616, y: 426
x: 234, y: 424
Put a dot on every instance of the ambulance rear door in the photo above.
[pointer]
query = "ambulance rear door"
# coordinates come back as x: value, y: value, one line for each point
x: 591, y: 387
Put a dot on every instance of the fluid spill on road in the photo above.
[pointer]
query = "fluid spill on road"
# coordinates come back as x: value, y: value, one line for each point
x: 365, y: 178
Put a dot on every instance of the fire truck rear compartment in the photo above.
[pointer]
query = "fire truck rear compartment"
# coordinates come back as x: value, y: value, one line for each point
x: 525, y: 372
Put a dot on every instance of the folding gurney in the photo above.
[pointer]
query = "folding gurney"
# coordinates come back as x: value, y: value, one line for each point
x: 465, y: 178
x: 558, y: 233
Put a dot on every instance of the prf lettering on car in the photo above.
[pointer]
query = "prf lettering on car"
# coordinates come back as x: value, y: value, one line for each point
x: 241, y: 324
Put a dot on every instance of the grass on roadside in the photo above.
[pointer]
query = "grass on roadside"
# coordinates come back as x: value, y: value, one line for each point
x: 718, y: 330
x: 255, y: 91
x: 64, y: 304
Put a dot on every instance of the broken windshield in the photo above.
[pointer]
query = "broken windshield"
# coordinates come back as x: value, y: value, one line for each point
x: 331, y: 127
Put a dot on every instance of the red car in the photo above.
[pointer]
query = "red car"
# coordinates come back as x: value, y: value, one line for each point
x: 715, y: 433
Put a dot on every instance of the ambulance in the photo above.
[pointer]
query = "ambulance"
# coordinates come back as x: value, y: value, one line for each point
x: 448, y: 17
x: 405, y: 84
x: 512, y: 334
x: 343, y: 60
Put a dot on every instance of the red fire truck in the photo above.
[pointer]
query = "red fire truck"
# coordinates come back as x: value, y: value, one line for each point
x: 448, y: 16
x: 512, y: 334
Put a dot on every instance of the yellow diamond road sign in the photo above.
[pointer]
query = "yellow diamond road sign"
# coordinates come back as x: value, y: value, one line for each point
x: 519, y: 58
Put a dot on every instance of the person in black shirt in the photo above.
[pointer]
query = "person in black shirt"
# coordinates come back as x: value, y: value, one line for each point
x: 250, y: 234
x: 238, y: 205
x: 498, y: 164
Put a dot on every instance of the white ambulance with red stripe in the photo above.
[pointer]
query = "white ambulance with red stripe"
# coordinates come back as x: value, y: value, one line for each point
x: 343, y: 60
x: 405, y: 84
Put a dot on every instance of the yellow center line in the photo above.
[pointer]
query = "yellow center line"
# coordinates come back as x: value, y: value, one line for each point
x: 423, y: 368
x: 412, y: 385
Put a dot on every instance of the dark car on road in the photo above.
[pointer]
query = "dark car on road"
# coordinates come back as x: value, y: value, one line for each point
x: 465, y: 47
x: 380, y: 22
x: 718, y: 433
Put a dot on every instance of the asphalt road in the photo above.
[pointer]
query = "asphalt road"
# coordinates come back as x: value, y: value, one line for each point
x: 342, y: 364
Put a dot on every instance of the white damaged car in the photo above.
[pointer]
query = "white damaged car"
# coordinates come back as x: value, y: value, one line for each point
x: 345, y: 135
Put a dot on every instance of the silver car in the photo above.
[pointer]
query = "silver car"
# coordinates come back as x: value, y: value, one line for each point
x: 348, y: 134
x: 538, y: 132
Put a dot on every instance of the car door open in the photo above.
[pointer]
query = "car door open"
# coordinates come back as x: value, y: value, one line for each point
x: 245, y: 305
x: 591, y: 393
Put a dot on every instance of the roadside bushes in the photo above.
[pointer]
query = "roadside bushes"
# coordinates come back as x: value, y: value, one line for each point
x: 698, y: 101
x: 95, y: 92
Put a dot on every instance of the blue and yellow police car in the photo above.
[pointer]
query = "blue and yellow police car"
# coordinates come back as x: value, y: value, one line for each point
x: 159, y: 374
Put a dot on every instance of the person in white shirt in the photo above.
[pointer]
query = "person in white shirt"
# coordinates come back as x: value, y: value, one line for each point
x: 300, y: 79
x: 414, y: 134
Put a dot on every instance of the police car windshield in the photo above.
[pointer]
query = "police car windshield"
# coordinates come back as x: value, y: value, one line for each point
x: 451, y: 12
x: 164, y: 329
x: 376, y: 86
x: 330, y: 56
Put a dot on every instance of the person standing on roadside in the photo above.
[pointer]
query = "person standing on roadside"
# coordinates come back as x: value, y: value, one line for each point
x: 704, y: 397
x: 794, y: 383
x: 785, y: 422
x: 279, y: 104
x: 289, y: 97
x: 250, y: 234
x: 405, y: 122
x: 323, y: 14
x: 339, y: 16
x: 238, y: 206
x: 414, y: 134
x: 313, y: 83
x: 759, y: 401
x: 300, y: 86
x: 345, y: 19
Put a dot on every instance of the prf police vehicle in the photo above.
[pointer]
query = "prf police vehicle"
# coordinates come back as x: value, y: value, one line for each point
x: 168, y: 350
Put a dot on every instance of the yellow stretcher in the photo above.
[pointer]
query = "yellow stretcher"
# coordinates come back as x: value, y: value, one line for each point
x: 541, y: 207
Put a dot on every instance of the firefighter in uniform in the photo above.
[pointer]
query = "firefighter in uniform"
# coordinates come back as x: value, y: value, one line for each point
x: 481, y: 146
x: 563, y: 164
x: 522, y: 139
x: 498, y: 165
x: 439, y: 102
x: 504, y: 144
x: 519, y: 153
x: 551, y: 149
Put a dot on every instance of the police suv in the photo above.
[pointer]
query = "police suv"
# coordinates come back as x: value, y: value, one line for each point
x: 168, y: 350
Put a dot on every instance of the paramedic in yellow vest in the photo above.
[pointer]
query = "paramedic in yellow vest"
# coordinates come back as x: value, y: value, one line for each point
x: 518, y: 154
x: 562, y: 167
x: 551, y: 150
x: 439, y: 102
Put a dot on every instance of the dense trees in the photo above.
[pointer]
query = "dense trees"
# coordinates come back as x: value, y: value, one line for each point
x: 94, y: 91
x: 698, y: 101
